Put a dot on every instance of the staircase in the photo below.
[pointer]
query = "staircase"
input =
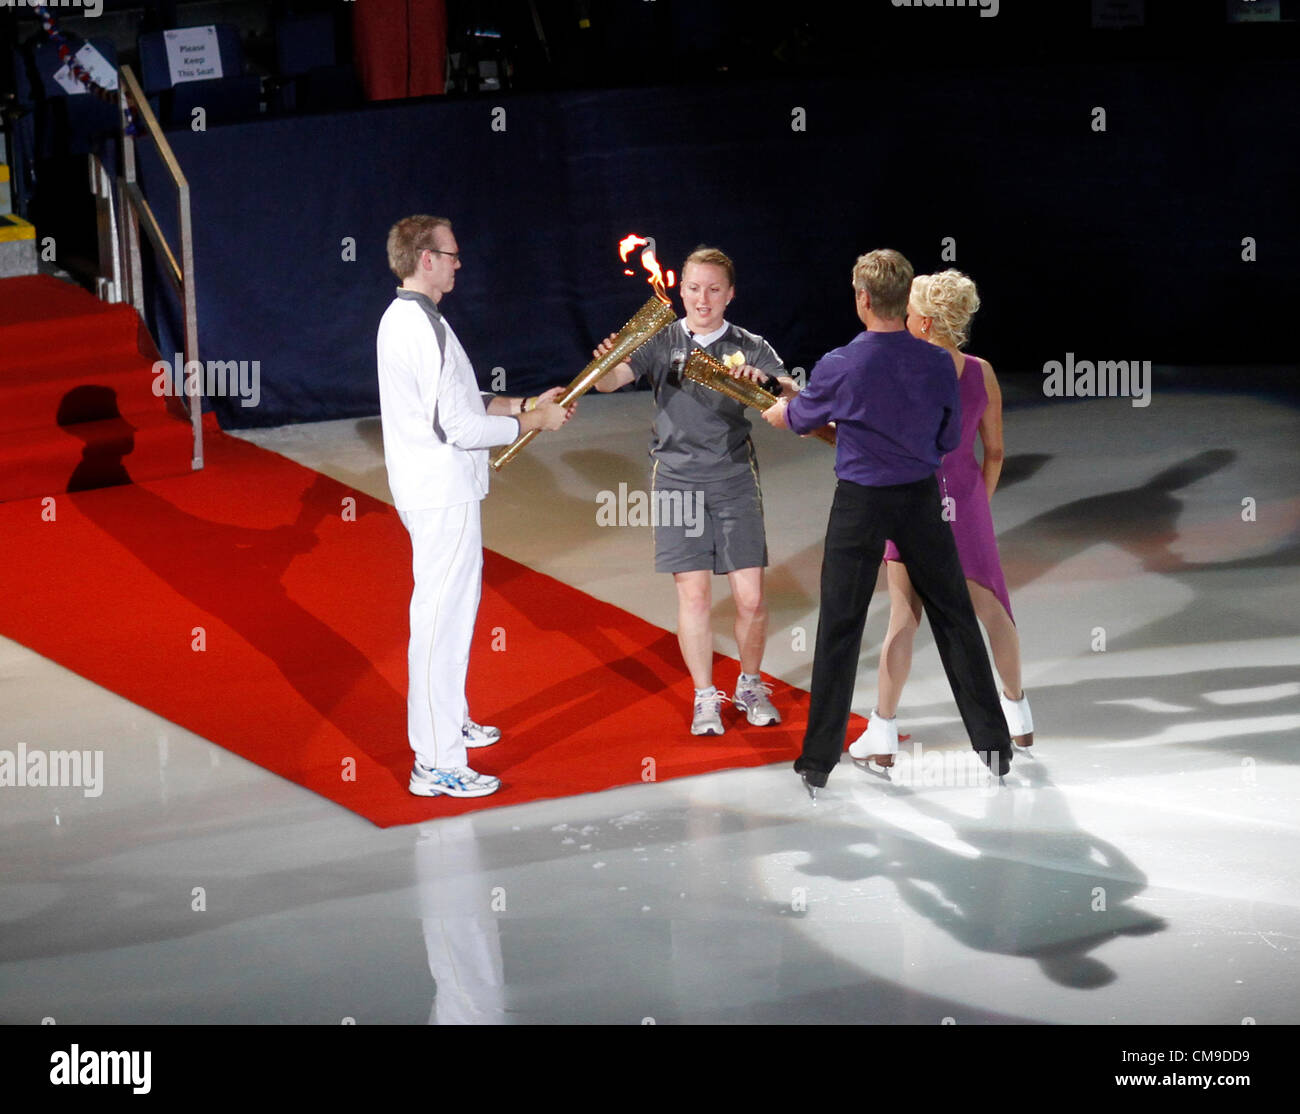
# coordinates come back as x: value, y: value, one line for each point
x: 77, y: 402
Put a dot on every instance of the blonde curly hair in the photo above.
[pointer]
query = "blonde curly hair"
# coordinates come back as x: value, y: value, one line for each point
x: 950, y: 298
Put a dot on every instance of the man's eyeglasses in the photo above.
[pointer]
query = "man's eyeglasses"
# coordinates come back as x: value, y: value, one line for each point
x: 438, y: 251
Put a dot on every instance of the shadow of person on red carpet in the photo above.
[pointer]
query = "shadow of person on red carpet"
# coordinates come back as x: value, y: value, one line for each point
x: 236, y: 574
x: 91, y: 414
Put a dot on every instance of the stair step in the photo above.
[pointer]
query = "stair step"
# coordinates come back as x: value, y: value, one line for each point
x: 76, y: 394
x: 39, y: 462
x: 112, y: 390
x: 79, y: 342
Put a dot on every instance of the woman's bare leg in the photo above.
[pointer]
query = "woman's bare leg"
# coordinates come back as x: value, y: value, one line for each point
x: 1003, y: 638
x: 896, y: 654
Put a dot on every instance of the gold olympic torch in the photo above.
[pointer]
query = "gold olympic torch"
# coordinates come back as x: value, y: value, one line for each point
x: 649, y: 319
x: 704, y: 369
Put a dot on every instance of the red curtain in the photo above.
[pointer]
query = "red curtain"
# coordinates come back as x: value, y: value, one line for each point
x: 400, y: 47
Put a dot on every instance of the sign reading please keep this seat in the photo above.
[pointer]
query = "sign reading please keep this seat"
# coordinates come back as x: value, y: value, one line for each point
x: 193, y: 54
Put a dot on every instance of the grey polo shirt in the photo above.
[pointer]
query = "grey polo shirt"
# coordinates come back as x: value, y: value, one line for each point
x: 699, y: 434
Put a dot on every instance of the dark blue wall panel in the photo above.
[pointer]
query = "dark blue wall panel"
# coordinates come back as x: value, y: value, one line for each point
x: 1123, y: 244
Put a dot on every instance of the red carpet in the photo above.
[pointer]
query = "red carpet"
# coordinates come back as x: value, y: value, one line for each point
x: 77, y: 408
x: 302, y: 663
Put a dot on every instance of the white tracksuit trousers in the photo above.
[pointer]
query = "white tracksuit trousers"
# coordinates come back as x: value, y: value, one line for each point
x: 447, y: 559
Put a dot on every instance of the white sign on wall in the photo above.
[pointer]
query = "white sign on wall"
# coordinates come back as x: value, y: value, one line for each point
x: 101, y: 73
x: 193, y: 54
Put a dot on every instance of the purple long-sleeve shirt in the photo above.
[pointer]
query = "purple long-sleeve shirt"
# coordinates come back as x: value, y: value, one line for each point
x: 895, y: 406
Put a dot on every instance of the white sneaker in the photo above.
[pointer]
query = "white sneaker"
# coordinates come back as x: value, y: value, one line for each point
x: 476, y: 735
x: 707, y: 717
x: 880, y: 737
x: 1020, y: 722
x: 754, y: 701
x: 457, y: 781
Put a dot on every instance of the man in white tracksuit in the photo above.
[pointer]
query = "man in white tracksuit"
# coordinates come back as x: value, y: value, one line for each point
x: 437, y: 431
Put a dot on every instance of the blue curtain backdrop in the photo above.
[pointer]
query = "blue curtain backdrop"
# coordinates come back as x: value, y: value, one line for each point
x: 1117, y: 244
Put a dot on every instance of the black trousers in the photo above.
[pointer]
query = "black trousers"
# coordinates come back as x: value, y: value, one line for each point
x: 861, y: 520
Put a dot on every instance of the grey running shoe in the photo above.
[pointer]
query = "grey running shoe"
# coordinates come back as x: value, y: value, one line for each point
x: 707, y: 719
x: 755, y: 702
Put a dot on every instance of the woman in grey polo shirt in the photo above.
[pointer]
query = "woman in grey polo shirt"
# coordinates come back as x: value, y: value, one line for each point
x: 706, y: 489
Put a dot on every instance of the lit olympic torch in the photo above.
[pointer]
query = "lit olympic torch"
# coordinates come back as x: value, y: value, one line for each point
x: 649, y: 319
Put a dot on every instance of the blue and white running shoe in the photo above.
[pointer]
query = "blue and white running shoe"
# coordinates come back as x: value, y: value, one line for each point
x: 458, y: 781
x: 476, y: 735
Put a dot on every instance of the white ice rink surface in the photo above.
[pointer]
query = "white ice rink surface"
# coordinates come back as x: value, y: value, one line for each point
x: 1143, y: 866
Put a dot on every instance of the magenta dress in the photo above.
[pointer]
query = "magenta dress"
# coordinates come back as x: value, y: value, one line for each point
x: 960, y: 479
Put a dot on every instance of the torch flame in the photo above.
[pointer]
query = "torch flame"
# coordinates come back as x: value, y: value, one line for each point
x: 627, y: 243
x: 649, y: 262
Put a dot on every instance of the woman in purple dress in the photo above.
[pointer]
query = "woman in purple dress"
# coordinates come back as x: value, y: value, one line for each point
x: 939, y: 310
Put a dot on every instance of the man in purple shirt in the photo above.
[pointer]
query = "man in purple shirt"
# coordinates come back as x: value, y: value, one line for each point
x: 894, y: 402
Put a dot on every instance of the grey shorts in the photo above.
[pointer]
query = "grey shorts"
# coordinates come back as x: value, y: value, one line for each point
x: 715, y: 526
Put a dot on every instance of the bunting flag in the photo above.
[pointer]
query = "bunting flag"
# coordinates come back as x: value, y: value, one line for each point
x: 79, y: 72
x: 69, y: 56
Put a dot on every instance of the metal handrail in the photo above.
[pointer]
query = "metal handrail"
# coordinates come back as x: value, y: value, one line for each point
x: 135, y: 209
